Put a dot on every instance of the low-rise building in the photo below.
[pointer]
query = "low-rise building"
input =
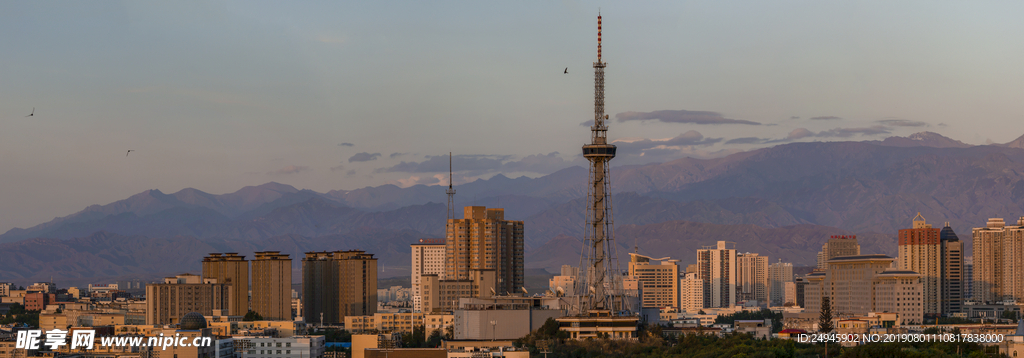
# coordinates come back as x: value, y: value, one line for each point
x: 273, y: 347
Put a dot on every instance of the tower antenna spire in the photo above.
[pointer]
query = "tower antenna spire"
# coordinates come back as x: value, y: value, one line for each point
x: 450, y: 191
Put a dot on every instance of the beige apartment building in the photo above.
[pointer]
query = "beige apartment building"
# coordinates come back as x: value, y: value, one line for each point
x: 443, y: 295
x: 865, y: 284
x: 398, y: 322
x: 167, y: 302
x: 779, y: 274
x: 427, y: 259
x: 691, y: 293
x: 230, y: 269
x: 751, y: 277
x: 998, y: 261
x: 484, y: 240
x: 565, y: 283
x: 272, y: 285
x: 338, y: 284
x: 837, y: 245
x: 716, y: 268
x: 659, y: 282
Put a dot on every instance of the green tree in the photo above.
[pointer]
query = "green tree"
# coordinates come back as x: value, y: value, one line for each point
x: 252, y: 316
x: 825, y: 319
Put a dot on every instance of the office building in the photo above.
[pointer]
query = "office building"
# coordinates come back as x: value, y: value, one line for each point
x: 952, y: 277
x: 969, y: 278
x: 272, y: 285
x: 752, y: 277
x: 659, y: 285
x: 230, y: 269
x: 691, y: 293
x: 801, y: 289
x: 837, y: 245
x: 717, y: 269
x: 779, y: 274
x: 484, y: 240
x: 900, y: 291
x: 167, y: 302
x: 427, y: 259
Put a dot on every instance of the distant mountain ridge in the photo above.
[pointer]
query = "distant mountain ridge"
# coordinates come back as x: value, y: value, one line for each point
x: 871, y: 189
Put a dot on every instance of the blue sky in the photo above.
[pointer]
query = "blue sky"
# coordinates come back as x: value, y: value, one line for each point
x: 221, y: 95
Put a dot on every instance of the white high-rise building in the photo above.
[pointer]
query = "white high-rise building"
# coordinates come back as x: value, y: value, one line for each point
x: 691, y: 293
x: 427, y: 259
x: 779, y: 274
x: 717, y: 270
x: 752, y: 277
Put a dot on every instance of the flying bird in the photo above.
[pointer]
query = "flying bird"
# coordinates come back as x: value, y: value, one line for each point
x: 129, y: 151
x: 566, y: 71
x: 33, y: 112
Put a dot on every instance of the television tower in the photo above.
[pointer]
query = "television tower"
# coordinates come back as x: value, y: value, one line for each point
x: 450, y: 191
x: 598, y: 254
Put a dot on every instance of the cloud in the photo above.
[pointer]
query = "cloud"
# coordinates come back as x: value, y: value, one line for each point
x: 537, y: 163
x: 681, y: 116
x: 363, y: 157
x: 799, y: 133
x: 745, y: 140
x: 291, y: 169
x: 895, y: 122
x: 691, y: 138
x: 337, y: 168
x: 587, y: 123
x: 825, y: 118
x: 439, y: 164
x: 478, y: 164
x: 941, y: 124
x: 345, y: 144
x: 794, y: 117
x: 849, y: 132
x: 351, y: 172
x: 396, y: 155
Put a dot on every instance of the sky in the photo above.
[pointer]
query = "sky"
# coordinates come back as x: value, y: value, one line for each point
x: 342, y: 95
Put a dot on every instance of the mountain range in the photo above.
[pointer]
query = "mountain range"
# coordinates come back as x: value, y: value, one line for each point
x: 782, y: 201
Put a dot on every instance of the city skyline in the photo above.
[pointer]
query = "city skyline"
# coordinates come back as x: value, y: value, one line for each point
x: 218, y: 96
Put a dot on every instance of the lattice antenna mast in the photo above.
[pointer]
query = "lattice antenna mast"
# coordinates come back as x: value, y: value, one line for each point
x: 598, y: 285
x: 450, y: 191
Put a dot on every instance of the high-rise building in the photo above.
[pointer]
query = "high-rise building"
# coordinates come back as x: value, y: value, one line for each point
x: 338, y: 284
x: 801, y: 291
x: 779, y: 274
x: 691, y: 293
x: 658, y: 282
x: 969, y: 278
x: 272, y: 285
x: 998, y: 261
x: 837, y: 245
x: 230, y: 269
x: 752, y: 277
x: 320, y: 288
x: 484, y: 240
x: 952, y: 277
x: 717, y: 269
x: 427, y: 259
x: 167, y: 302
x: 357, y: 283
x: 920, y: 251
